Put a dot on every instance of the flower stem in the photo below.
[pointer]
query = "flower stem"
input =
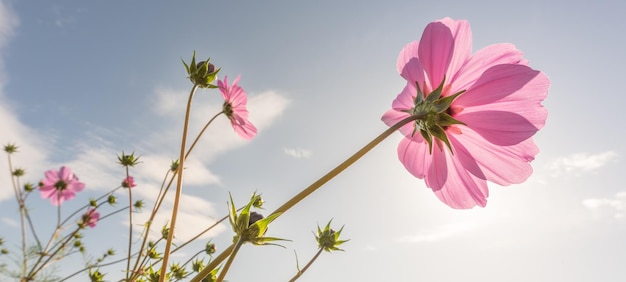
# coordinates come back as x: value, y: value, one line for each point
x: 317, y: 184
x: 230, y: 260
x: 130, y: 224
x: 300, y: 272
x: 179, y: 184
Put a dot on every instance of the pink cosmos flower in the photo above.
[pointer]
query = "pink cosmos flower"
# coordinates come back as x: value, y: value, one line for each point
x: 235, y: 101
x: 129, y: 182
x: 499, y: 110
x: 60, y: 185
x: 90, y: 218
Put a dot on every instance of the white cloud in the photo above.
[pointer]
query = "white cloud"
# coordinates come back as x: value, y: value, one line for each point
x: 615, y: 207
x: 582, y: 162
x: 437, y: 234
x: 9, y: 222
x: 297, y: 153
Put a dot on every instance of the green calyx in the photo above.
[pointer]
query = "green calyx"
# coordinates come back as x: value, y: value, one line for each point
x: 202, y: 73
x: 434, y: 115
x: 328, y: 239
x: 249, y: 226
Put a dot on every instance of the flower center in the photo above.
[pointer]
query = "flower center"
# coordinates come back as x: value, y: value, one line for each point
x: 434, y: 114
x: 60, y: 185
x: 228, y: 109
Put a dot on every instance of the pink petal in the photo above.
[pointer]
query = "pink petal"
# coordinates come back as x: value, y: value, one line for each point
x: 463, y: 190
x: 435, y: 52
x: 501, y: 127
x: 482, y: 60
x: 505, y: 83
x: 52, y: 176
x: 462, y: 35
x: 65, y: 173
x: 502, y: 165
x: 414, y: 156
x: 408, y: 64
x: 246, y: 130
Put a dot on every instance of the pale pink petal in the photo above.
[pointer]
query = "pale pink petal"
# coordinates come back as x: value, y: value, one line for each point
x: 437, y: 173
x: 246, y: 130
x: 405, y: 99
x: 462, y: 35
x: 414, y: 156
x: 76, y: 186
x: 408, y: 64
x: 65, y: 173
x: 504, y: 83
x: 497, y: 54
x: 52, y: 176
x: 463, y: 190
x: 502, y: 165
x: 435, y: 52
x: 391, y: 117
x: 500, y: 127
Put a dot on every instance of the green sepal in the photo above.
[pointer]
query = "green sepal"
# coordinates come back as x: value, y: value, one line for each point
x: 436, y: 94
x: 420, y: 95
x: 444, y: 103
x: 428, y: 139
x: 440, y: 134
x: 445, y: 119
x: 192, y: 67
x: 186, y: 66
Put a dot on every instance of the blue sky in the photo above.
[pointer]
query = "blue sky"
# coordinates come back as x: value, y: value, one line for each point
x: 82, y: 81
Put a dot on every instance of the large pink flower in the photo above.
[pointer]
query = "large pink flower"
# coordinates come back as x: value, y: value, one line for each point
x: 60, y: 185
x: 235, y: 101
x: 500, y: 108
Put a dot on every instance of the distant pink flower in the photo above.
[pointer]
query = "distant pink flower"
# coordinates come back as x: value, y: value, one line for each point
x: 90, y: 218
x: 235, y: 101
x: 129, y: 182
x: 60, y: 185
x: 501, y: 109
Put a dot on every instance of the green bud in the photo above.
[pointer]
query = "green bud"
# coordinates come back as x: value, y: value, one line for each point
x: 111, y: 200
x: 10, y: 148
x: 165, y: 232
x: 138, y: 204
x: 328, y: 239
x: 128, y: 160
x: 96, y: 276
x: 4, y: 251
x: 258, y: 202
x: 197, y: 265
x: 209, y: 248
x: 110, y: 252
x: 202, y: 73
x: 93, y: 203
x: 18, y: 172
x: 177, y: 271
x: 29, y: 187
x: 174, y: 166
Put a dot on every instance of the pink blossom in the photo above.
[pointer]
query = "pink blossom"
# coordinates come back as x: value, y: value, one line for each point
x: 90, y: 218
x: 129, y: 182
x: 235, y: 101
x: 500, y: 108
x: 60, y: 185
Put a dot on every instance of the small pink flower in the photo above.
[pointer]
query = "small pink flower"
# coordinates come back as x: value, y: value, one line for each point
x: 235, y: 101
x: 500, y: 108
x: 129, y: 182
x: 90, y: 218
x: 60, y: 185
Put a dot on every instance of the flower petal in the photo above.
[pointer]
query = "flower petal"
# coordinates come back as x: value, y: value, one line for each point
x: 414, y: 156
x: 477, y: 64
x: 462, y: 34
x: 435, y: 52
x: 502, y: 165
x: 409, y: 65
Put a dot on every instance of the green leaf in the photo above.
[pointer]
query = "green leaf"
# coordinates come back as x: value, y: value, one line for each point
x: 420, y: 96
x: 428, y: 139
x: 447, y: 120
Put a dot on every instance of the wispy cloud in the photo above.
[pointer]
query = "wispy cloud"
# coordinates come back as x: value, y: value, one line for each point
x: 297, y: 153
x: 615, y: 207
x: 584, y: 162
x: 437, y: 233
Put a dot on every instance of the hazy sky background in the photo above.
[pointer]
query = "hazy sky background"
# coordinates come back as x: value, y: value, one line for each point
x: 80, y: 81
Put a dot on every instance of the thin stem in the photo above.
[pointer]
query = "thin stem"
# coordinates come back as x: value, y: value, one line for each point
x: 230, y: 260
x: 313, y: 187
x: 179, y: 184
x: 130, y: 220
x: 163, y: 192
x: 213, y: 264
x: 300, y: 272
x: 20, y: 202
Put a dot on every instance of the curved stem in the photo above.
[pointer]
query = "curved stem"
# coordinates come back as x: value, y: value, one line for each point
x: 300, y: 272
x: 202, y: 132
x: 179, y: 184
x: 317, y: 184
x: 230, y: 260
